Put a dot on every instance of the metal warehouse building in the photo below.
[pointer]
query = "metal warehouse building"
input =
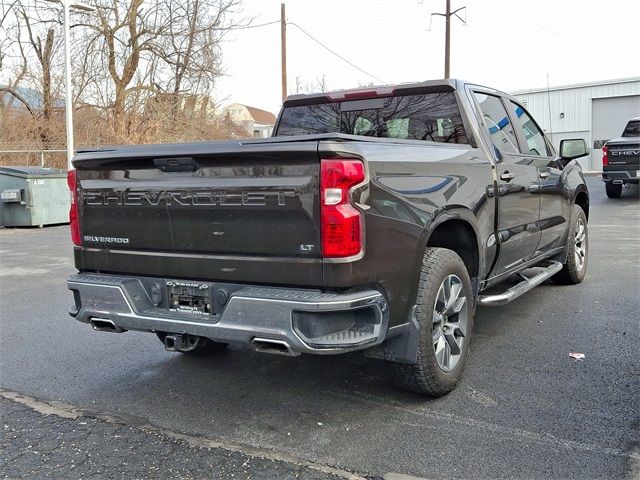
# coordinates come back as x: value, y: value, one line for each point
x: 596, y: 111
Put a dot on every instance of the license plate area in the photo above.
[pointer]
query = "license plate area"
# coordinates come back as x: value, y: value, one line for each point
x: 192, y: 298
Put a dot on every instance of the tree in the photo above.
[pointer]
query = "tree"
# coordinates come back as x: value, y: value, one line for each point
x: 11, y: 47
x: 142, y: 70
x: 44, y: 51
x: 122, y: 41
x: 318, y: 85
x: 32, y: 40
x: 190, y: 47
x: 163, y: 48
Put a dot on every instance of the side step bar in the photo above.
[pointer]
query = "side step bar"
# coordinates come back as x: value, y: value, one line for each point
x: 527, y: 283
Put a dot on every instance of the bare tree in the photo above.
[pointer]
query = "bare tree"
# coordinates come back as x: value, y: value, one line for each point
x: 11, y: 48
x: 5, y: 18
x: 152, y: 48
x: 31, y: 42
x: 318, y: 85
x: 43, y: 49
x: 124, y: 35
x: 190, y: 47
x: 142, y: 70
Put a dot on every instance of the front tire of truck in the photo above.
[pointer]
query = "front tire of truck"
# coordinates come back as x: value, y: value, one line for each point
x: 575, y: 267
x: 444, y: 311
x: 202, y: 347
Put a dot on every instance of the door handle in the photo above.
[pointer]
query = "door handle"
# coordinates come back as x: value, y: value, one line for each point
x: 544, y: 175
x: 507, y: 176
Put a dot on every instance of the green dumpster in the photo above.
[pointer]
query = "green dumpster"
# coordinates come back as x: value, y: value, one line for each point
x: 33, y: 196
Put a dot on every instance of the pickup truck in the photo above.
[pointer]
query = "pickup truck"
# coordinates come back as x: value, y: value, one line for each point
x: 621, y: 160
x: 375, y: 219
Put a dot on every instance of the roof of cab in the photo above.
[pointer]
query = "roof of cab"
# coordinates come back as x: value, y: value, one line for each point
x: 369, y: 91
x: 374, y: 91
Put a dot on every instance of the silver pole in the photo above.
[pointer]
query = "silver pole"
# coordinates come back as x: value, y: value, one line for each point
x: 67, y: 85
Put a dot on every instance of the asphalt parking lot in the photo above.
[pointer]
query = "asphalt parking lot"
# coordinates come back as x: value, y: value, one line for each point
x: 524, y: 409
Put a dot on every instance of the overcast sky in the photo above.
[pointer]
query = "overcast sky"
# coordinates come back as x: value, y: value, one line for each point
x: 506, y: 44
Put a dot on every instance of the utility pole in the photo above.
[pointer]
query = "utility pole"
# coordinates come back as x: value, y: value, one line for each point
x: 68, y: 109
x: 283, y: 40
x: 447, y: 38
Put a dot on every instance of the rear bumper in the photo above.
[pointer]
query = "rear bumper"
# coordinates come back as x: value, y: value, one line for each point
x: 621, y: 176
x: 280, y: 314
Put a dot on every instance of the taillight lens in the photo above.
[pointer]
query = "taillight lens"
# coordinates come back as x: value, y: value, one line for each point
x: 74, y: 223
x: 605, y: 156
x: 341, y: 222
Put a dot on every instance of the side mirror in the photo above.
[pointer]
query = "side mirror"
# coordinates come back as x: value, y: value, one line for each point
x: 571, y: 149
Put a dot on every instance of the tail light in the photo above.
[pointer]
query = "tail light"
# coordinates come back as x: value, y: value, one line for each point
x: 341, y: 222
x: 74, y: 223
x: 605, y: 156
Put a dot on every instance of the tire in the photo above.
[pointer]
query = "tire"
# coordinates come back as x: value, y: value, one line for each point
x: 575, y: 267
x: 204, y: 346
x: 431, y: 375
x: 613, y: 191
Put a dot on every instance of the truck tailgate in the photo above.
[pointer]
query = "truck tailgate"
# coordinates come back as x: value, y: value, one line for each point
x: 623, y: 156
x: 217, y: 211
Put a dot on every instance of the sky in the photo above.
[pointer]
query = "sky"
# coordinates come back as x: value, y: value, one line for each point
x: 506, y: 44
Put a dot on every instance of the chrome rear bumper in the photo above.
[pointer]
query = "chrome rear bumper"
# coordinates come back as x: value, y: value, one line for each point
x: 250, y: 313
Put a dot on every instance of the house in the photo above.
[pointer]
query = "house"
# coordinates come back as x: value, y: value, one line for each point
x: 258, y: 123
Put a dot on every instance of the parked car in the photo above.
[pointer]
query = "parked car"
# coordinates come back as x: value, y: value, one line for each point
x: 375, y: 220
x: 621, y: 160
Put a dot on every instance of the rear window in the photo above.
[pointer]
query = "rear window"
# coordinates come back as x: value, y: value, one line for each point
x: 430, y: 116
x: 632, y: 129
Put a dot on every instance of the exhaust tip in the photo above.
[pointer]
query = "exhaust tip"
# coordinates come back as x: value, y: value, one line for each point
x: 104, y: 325
x: 276, y: 347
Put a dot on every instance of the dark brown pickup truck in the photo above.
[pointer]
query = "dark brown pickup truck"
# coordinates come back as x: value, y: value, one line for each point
x: 374, y: 220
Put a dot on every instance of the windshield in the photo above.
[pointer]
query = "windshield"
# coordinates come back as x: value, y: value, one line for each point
x: 632, y: 129
x: 430, y: 116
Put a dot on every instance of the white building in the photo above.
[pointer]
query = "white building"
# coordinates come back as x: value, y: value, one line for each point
x: 596, y: 111
x: 257, y: 122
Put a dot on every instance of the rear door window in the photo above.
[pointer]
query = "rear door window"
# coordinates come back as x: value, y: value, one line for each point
x: 497, y: 121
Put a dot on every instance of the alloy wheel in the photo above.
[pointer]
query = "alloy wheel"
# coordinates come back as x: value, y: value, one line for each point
x: 450, y: 317
x: 580, y: 249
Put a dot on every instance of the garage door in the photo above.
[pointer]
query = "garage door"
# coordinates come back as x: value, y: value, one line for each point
x: 609, y: 116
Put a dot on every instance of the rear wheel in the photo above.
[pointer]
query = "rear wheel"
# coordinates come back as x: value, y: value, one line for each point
x: 575, y: 267
x: 613, y: 191
x: 444, y: 311
x: 197, y: 345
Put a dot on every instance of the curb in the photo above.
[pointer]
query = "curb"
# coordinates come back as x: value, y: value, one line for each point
x: 71, y: 412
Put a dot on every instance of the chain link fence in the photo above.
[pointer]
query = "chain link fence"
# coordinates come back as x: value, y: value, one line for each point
x: 32, y: 157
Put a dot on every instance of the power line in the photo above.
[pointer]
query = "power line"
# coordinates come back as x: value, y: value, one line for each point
x: 254, y: 26
x: 334, y: 52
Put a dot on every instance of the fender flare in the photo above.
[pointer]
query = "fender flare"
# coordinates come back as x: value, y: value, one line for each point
x: 459, y: 213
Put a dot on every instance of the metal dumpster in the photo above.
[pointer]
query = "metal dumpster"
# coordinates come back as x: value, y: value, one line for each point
x: 33, y: 196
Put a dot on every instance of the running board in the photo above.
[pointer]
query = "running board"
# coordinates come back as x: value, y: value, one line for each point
x: 527, y: 283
